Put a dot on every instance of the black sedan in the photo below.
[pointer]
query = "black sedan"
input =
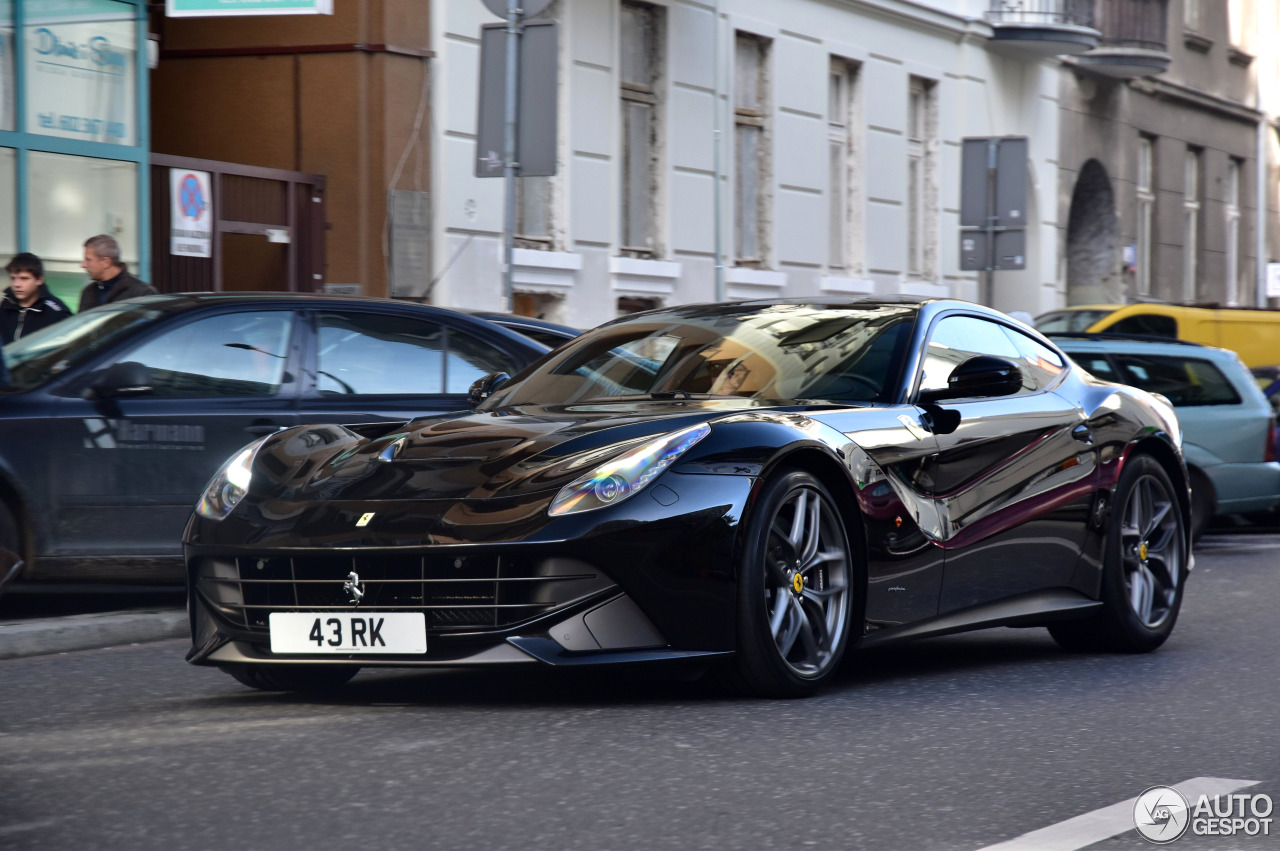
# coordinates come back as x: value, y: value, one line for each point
x: 112, y: 421
x: 757, y: 486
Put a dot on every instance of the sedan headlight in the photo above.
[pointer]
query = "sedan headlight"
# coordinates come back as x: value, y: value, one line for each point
x: 230, y: 484
x: 627, y: 474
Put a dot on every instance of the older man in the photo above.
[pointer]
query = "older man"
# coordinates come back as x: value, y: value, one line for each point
x: 109, y: 280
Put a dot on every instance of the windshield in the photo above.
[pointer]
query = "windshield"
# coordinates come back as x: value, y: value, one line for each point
x: 36, y: 358
x: 762, y: 352
x: 1069, y: 321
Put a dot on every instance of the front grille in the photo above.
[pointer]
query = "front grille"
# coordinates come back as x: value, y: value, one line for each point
x: 458, y: 593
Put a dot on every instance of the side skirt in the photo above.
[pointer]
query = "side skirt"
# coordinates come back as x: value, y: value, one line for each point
x: 1034, y: 609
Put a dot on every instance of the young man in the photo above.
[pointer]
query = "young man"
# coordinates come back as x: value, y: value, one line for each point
x: 27, y: 304
x: 109, y: 280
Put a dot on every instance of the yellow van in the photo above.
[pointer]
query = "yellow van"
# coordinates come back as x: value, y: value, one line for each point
x: 1252, y: 333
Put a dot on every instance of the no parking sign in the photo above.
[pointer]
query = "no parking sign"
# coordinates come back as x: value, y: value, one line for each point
x: 191, y: 213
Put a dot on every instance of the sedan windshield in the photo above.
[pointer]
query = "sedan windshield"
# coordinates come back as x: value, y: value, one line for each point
x: 772, y: 352
x: 36, y: 358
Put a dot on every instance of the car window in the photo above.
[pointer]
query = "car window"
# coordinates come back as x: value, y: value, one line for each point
x: 1146, y: 323
x: 231, y: 354
x: 365, y: 353
x: 471, y: 358
x: 787, y: 351
x: 1096, y: 365
x: 1187, y: 382
x: 1068, y: 321
x: 955, y: 339
x: 37, y: 357
x: 1041, y: 362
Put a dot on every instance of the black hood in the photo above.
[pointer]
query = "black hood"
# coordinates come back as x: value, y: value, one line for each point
x: 480, y: 455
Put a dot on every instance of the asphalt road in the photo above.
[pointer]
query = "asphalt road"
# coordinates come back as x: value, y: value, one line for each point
x: 953, y: 743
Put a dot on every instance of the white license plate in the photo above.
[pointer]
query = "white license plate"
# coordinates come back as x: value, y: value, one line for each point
x: 348, y: 632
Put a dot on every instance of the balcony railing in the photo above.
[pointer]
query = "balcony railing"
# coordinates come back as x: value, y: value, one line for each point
x: 1141, y: 24
x: 1042, y: 12
x: 1134, y: 38
x: 1043, y: 27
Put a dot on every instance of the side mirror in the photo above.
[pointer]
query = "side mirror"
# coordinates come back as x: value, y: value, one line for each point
x: 485, y: 387
x: 127, y: 378
x: 983, y: 376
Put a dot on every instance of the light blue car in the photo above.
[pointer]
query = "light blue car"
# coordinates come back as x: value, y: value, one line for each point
x: 1228, y: 426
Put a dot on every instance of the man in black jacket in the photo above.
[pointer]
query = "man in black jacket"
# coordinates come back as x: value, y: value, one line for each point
x: 109, y: 279
x: 27, y: 305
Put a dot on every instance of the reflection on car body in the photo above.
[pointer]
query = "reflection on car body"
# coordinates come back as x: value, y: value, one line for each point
x: 884, y: 470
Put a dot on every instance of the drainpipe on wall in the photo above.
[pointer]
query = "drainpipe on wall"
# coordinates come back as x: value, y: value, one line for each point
x: 716, y: 133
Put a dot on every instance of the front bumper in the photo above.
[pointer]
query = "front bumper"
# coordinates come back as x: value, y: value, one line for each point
x: 642, y: 581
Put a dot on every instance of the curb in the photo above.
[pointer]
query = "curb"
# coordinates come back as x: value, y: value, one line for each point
x: 88, y: 632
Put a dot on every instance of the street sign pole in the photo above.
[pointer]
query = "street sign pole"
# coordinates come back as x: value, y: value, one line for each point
x: 510, y: 166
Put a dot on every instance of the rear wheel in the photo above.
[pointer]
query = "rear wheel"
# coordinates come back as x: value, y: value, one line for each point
x: 304, y: 678
x: 1144, y: 569
x: 796, y: 590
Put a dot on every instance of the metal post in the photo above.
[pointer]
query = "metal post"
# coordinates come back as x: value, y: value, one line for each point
x: 511, y: 168
x: 987, y: 290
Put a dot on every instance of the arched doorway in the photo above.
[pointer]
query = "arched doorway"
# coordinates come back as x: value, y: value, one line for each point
x: 1093, y: 238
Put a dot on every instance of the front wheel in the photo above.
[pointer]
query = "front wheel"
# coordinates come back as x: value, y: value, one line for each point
x: 313, y: 679
x: 1144, y: 569
x: 796, y: 590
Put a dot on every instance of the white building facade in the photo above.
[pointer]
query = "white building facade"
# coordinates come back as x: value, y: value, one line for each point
x: 832, y: 130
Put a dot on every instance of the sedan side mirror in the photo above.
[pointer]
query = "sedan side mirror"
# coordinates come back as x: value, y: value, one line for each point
x: 127, y: 378
x: 485, y: 387
x: 983, y: 376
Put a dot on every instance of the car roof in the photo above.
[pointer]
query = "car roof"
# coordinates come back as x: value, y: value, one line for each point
x: 1136, y: 344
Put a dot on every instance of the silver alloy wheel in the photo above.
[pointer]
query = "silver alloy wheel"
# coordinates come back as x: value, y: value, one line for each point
x: 806, y: 580
x: 1151, y: 550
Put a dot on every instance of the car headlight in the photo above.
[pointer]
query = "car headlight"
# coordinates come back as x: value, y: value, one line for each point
x: 230, y: 484
x: 627, y: 474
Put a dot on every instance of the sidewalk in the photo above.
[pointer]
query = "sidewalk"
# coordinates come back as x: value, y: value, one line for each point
x: 41, y: 636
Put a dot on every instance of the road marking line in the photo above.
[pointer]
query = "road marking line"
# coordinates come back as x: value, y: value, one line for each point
x: 1083, y: 831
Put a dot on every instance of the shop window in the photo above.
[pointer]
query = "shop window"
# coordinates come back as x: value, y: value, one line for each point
x: 70, y: 199
x: 7, y: 96
x: 8, y: 204
x: 81, y: 63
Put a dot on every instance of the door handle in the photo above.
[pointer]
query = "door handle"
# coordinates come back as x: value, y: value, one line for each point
x: 1083, y: 434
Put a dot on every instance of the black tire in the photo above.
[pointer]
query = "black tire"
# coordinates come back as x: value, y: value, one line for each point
x: 1203, y: 504
x: 797, y: 591
x: 312, y: 679
x: 1144, y: 567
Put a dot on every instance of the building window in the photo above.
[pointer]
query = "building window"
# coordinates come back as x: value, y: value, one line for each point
x: 1232, y: 213
x: 922, y: 192
x: 7, y: 94
x: 1191, y: 14
x: 1146, y: 213
x: 89, y: 93
x: 533, y: 211
x: 844, y: 162
x: 629, y: 304
x: 751, y: 142
x: 72, y: 198
x: 640, y: 60
x: 8, y: 203
x: 1191, y: 224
